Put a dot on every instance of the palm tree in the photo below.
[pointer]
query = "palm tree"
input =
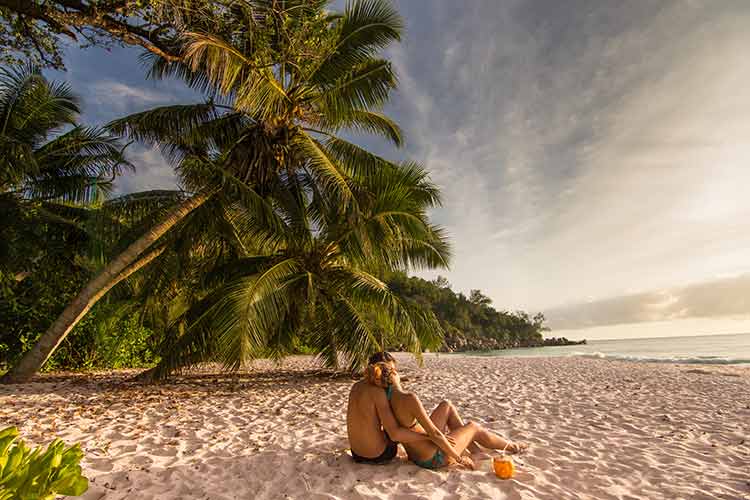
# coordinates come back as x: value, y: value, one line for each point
x: 290, y: 79
x: 312, y: 276
x: 49, y: 165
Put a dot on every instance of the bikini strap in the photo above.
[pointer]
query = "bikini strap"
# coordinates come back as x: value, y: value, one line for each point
x: 389, y: 392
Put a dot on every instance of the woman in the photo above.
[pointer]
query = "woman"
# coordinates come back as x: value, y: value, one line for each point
x: 442, y: 450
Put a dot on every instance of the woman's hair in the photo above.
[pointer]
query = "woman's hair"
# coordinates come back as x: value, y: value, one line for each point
x: 380, y: 374
x: 381, y: 357
x: 380, y: 369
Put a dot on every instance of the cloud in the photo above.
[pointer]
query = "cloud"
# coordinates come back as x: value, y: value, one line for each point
x: 112, y: 83
x: 151, y: 171
x: 585, y: 149
x: 108, y: 99
x: 719, y: 298
x: 117, y: 94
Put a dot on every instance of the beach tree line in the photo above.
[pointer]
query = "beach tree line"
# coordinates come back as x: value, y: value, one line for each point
x: 470, y: 323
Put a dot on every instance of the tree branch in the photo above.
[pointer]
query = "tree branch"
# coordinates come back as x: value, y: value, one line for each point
x: 75, y: 13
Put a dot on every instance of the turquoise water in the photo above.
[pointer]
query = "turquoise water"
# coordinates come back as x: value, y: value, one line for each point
x: 703, y: 349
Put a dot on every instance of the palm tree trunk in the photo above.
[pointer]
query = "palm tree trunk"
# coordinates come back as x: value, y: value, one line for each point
x: 117, y: 270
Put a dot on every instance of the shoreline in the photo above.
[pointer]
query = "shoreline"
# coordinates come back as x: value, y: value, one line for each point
x: 743, y: 367
x: 598, y: 429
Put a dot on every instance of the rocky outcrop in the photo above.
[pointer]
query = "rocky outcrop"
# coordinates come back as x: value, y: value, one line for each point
x: 456, y: 342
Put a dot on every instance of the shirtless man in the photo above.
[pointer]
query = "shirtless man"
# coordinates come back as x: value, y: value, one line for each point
x: 372, y: 428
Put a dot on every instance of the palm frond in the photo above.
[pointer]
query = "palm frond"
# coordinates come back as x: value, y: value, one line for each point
x: 366, y: 87
x: 323, y: 166
x: 366, y: 27
x: 173, y: 128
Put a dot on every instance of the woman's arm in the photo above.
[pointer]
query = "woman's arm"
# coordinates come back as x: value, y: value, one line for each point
x: 435, y: 434
x: 390, y: 424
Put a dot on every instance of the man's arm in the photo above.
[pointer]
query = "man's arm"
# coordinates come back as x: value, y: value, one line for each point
x: 389, y: 423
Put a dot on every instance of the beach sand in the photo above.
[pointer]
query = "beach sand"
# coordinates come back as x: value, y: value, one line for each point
x: 598, y: 429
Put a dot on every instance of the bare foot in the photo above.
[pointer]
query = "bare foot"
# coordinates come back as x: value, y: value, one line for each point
x: 517, y: 447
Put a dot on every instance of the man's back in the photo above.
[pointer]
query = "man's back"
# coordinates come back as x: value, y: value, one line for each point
x: 366, y: 436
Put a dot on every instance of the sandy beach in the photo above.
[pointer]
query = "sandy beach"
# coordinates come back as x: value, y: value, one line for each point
x: 598, y: 430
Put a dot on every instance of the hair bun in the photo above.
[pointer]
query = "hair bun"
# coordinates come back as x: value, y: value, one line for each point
x: 380, y: 374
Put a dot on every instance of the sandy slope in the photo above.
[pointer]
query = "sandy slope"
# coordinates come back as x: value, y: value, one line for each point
x: 599, y: 429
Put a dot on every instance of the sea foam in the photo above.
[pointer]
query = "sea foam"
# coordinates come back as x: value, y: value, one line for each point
x: 696, y: 360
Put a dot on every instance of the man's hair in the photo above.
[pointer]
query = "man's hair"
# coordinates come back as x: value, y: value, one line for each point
x: 381, y: 357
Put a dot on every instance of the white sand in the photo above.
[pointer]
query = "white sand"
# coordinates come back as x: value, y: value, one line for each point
x: 598, y: 430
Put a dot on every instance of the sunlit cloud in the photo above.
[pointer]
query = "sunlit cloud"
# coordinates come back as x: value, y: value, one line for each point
x: 719, y: 298
x: 585, y: 151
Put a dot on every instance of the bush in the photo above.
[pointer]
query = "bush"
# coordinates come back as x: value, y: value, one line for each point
x: 27, y: 474
x: 28, y: 307
x: 109, y: 336
x: 105, y: 338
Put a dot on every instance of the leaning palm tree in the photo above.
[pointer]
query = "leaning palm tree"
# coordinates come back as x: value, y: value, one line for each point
x: 282, y: 88
x: 312, y: 278
x: 49, y: 165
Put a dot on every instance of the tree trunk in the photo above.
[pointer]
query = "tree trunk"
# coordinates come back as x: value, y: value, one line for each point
x: 117, y: 270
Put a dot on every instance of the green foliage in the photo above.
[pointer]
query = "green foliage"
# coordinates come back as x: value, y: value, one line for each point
x: 27, y: 307
x: 36, y: 474
x: 39, y: 30
x: 469, y: 323
x: 57, y: 228
x: 110, y: 336
x: 102, y: 341
x: 307, y: 280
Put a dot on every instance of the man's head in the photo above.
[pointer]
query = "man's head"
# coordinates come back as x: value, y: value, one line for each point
x: 381, y: 369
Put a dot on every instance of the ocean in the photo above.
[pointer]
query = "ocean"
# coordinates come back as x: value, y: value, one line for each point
x: 703, y: 349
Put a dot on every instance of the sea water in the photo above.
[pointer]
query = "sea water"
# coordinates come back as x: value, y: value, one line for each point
x: 703, y: 349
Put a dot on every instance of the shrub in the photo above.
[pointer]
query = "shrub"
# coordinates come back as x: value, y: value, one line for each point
x: 33, y: 474
x: 109, y: 336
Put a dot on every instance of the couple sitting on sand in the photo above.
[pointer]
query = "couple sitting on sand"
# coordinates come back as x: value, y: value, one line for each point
x: 381, y: 414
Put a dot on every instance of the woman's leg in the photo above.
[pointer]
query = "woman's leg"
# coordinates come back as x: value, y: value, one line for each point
x: 445, y: 416
x: 464, y: 436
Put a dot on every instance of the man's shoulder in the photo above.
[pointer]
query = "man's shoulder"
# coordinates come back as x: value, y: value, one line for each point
x: 366, y: 389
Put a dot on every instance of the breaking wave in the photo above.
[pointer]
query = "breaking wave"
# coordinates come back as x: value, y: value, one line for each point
x: 691, y: 360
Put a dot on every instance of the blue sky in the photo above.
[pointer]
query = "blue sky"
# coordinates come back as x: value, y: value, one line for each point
x: 593, y: 155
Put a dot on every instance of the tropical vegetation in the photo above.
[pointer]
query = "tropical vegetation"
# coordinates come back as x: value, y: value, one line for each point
x: 285, y: 234
x: 470, y: 323
x: 39, y: 474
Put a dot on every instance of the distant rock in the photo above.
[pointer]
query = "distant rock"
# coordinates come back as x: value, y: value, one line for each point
x: 558, y: 341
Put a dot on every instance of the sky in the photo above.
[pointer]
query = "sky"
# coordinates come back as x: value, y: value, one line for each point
x: 593, y: 154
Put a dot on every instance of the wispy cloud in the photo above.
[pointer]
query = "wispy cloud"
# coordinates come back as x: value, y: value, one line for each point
x: 107, y: 99
x: 152, y: 171
x: 118, y: 95
x: 585, y: 149
x: 719, y: 298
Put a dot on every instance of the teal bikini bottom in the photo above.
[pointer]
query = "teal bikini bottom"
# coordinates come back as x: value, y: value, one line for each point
x: 437, y: 461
